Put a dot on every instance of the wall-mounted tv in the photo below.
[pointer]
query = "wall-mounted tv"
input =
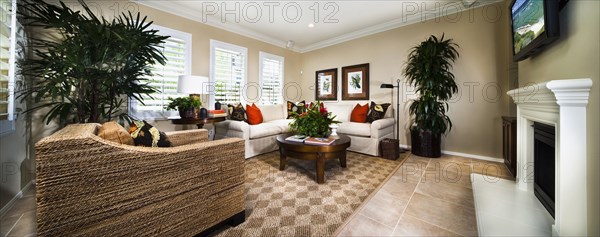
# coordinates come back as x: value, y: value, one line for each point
x: 534, y: 25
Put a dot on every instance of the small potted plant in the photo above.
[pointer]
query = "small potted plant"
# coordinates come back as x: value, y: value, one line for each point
x: 314, y: 122
x: 188, y: 107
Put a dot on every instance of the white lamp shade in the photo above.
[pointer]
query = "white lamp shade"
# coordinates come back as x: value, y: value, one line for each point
x: 187, y: 84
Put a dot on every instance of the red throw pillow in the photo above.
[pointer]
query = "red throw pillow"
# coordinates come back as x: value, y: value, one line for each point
x: 254, y: 114
x: 359, y: 113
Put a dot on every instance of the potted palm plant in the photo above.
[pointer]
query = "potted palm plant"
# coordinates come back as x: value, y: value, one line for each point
x: 429, y: 70
x: 83, y: 68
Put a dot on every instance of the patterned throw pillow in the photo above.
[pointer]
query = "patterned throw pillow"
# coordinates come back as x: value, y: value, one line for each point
x: 144, y: 134
x: 297, y: 108
x: 236, y: 112
x: 377, y: 111
x: 114, y: 132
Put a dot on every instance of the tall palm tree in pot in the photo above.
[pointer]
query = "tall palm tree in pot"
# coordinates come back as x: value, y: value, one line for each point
x: 429, y: 70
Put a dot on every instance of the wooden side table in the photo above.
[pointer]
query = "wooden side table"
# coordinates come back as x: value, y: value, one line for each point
x: 199, y: 122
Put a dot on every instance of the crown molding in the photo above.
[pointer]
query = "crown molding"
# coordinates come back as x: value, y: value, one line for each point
x: 396, y: 23
x: 192, y: 15
x: 393, y: 24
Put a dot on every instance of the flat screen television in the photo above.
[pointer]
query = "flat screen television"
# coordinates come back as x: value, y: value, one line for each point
x: 534, y: 25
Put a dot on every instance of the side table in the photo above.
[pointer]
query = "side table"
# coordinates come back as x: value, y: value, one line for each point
x: 199, y: 122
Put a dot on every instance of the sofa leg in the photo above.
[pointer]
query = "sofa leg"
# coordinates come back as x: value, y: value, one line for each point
x: 237, y: 219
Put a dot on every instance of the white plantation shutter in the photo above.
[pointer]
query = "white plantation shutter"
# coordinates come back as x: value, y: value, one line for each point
x: 228, y: 72
x: 271, y: 78
x: 177, y: 50
x: 7, y: 59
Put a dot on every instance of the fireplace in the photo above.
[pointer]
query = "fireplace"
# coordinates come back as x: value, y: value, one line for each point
x: 544, y: 165
x: 561, y: 104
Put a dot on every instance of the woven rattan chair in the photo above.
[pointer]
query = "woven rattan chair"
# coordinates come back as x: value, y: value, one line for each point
x: 87, y: 186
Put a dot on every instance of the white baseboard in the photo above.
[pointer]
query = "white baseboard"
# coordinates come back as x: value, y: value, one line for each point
x: 500, y: 160
x: 17, y: 196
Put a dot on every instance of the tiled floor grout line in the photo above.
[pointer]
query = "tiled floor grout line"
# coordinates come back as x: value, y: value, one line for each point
x: 15, y: 224
x: 411, y: 195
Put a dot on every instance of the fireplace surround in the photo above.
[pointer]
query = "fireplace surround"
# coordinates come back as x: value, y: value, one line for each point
x: 562, y: 104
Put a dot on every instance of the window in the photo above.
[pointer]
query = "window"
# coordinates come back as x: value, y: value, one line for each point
x: 228, y: 65
x: 7, y: 59
x: 178, y: 50
x: 271, y: 78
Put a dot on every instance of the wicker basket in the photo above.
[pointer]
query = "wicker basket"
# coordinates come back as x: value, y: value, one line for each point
x: 390, y: 148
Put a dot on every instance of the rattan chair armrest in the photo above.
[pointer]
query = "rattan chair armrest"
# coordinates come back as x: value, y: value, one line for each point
x: 185, y: 137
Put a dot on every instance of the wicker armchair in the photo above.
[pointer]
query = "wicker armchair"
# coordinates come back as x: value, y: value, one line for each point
x: 87, y: 186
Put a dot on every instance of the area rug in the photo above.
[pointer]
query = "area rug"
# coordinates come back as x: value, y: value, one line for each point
x: 291, y: 203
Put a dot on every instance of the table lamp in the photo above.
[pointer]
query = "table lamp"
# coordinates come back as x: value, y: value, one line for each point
x: 391, y: 86
x: 194, y: 86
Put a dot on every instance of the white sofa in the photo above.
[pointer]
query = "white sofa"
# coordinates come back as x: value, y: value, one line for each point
x: 261, y: 138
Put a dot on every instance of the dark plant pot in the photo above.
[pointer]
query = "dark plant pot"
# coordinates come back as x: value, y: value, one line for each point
x: 217, y: 105
x: 425, y: 143
x: 203, y: 113
x: 188, y: 113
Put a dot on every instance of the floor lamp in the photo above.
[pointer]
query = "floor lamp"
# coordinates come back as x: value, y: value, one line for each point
x: 391, y: 86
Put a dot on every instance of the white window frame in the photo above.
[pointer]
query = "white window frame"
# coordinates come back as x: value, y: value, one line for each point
x: 263, y: 55
x: 163, y: 114
x: 7, y: 125
x: 219, y: 44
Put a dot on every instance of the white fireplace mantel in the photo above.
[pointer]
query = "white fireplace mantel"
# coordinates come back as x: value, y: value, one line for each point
x: 561, y: 103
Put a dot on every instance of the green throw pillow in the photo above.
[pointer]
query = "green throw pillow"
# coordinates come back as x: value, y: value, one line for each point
x: 144, y: 134
x: 377, y: 111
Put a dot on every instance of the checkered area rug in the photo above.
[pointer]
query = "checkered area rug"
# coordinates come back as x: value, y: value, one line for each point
x: 291, y: 203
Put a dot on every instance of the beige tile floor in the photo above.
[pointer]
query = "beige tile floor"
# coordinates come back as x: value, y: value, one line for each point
x: 425, y: 197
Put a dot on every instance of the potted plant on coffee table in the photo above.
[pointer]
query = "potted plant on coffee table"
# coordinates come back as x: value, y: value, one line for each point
x: 314, y: 122
x: 188, y: 107
x: 429, y: 70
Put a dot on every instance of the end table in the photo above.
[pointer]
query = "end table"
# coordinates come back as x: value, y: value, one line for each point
x: 199, y: 122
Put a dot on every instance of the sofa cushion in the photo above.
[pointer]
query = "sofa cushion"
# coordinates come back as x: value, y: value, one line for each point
x: 113, y: 131
x: 377, y: 111
x: 359, y: 113
x: 273, y: 112
x: 264, y: 130
x: 341, y: 111
x: 297, y: 108
x: 253, y: 114
x: 355, y: 129
x: 236, y: 112
x: 145, y: 134
x: 284, y: 124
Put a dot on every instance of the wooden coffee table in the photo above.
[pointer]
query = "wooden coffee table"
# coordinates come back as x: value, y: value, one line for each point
x: 318, y: 153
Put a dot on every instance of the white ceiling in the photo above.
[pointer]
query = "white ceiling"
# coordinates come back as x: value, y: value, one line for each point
x: 277, y: 22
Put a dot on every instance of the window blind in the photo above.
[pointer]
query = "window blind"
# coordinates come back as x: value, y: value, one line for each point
x: 229, y: 72
x: 177, y: 51
x: 271, y: 73
x: 7, y: 45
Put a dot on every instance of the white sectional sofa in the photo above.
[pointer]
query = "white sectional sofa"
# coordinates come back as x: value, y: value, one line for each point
x: 261, y: 138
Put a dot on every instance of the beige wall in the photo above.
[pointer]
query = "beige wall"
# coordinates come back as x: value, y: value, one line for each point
x: 576, y: 55
x: 483, y: 63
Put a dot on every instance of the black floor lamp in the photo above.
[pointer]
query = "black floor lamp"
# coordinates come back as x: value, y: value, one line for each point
x: 390, y: 86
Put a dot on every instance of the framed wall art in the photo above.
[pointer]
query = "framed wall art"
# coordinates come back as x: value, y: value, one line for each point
x: 326, y: 84
x: 355, y: 82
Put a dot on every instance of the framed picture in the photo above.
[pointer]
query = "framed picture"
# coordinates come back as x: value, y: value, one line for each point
x: 355, y: 82
x: 326, y: 84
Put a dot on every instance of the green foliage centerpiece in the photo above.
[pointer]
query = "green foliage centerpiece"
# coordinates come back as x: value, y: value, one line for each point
x: 84, y: 67
x: 314, y: 122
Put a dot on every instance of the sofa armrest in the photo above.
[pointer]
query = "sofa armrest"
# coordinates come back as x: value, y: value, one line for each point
x: 185, y: 137
x: 238, y: 127
x: 381, y: 124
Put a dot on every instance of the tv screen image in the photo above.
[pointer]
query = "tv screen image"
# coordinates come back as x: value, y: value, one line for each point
x: 528, y: 22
